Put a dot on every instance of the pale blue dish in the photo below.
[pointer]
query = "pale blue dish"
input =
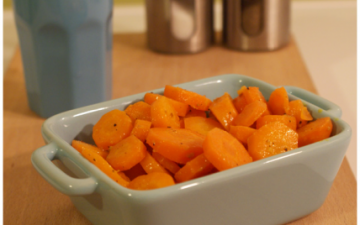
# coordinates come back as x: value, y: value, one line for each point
x: 275, y: 190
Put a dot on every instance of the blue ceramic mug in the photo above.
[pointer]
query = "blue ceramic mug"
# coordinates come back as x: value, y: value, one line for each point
x: 66, y: 49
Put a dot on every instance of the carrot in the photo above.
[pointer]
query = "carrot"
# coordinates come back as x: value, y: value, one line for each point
x: 315, y: 131
x: 112, y: 127
x: 139, y: 110
x: 178, y: 145
x: 300, y: 112
x: 181, y: 108
x: 241, y: 133
x: 239, y: 103
x: 289, y: 121
x: 241, y: 90
x: 193, y: 99
x: 224, y: 110
x: 250, y: 114
x: 134, y: 171
x: 195, y: 112
x: 271, y: 139
x: 104, y: 166
x: 224, y: 151
x: 123, y: 175
x: 151, y: 181
x: 253, y: 94
x: 279, y: 101
x: 127, y: 153
x: 150, y: 165
x: 195, y: 168
x: 167, y: 164
x: 163, y: 114
x: 201, y: 125
x: 141, y: 129
x: 80, y: 145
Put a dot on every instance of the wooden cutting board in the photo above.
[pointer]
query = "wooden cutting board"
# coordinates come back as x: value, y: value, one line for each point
x: 29, y: 199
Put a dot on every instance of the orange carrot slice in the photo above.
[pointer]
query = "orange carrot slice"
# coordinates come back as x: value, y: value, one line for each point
x: 195, y: 112
x: 315, y: 131
x: 141, y: 129
x: 239, y: 103
x: 224, y: 151
x: 279, y: 101
x: 201, y: 125
x: 139, y: 110
x: 111, y: 128
x: 150, y: 165
x: 271, y: 139
x: 289, y: 121
x: 250, y: 114
x: 241, y: 133
x: 163, y: 114
x: 181, y: 108
x: 300, y: 112
x: 167, y: 164
x: 151, y: 181
x: 224, y: 110
x: 80, y: 145
x: 253, y: 94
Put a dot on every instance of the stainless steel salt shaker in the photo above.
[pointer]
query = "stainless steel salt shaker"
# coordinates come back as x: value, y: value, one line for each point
x: 256, y: 25
x: 179, y: 26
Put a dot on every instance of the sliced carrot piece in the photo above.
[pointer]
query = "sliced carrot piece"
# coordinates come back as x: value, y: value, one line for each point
x: 193, y: 99
x: 134, y: 172
x: 271, y: 139
x: 181, y: 108
x: 279, y: 101
x: 241, y: 133
x: 178, y: 145
x: 241, y: 90
x: 201, y: 125
x: 315, y: 131
x: 141, y: 129
x: 250, y: 114
x: 104, y: 166
x: 112, y: 127
x: 239, y: 103
x: 163, y: 114
x: 167, y: 164
x: 195, y: 112
x: 80, y: 145
x: 224, y: 110
x: 224, y: 151
x: 139, y: 110
x: 150, y: 165
x: 195, y: 168
x: 305, y: 114
x: 127, y: 153
x: 296, y: 108
x: 253, y: 94
x: 151, y: 181
x: 288, y: 120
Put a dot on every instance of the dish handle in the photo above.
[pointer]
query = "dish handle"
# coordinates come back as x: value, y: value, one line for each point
x: 315, y: 99
x: 41, y: 160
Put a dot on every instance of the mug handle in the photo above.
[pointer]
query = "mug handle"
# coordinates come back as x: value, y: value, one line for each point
x: 315, y: 99
x: 41, y: 160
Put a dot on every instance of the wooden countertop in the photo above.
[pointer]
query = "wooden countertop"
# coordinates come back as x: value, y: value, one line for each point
x: 29, y: 199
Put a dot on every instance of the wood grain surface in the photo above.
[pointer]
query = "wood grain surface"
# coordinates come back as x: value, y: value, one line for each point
x: 29, y: 199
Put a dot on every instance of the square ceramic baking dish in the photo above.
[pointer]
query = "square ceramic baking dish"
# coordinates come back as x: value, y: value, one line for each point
x: 274, y: 190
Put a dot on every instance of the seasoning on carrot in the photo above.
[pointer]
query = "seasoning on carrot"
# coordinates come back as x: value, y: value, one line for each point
x: 250, y: 114
x: 201, y: 125
x: 224, y: 110
x: 315, y: 131
x: 279, y: 101
x: 163, y: 114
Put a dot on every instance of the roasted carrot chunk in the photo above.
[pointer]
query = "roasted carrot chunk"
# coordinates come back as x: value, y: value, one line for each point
x: 80, y: 145
x: 201, y: 125
x: 224, y: 110
x: 171, y: 166
x: 141, y: 129
x: 224, y: 151
x: 127, y: 153
x: 300, y: 112
x: 195, y: 168
x: 193, y: 99
x: 111, y: 128
x: 279, y: 101
x: 239, y: 103
x: 315, y: 131
x: 104, y: 166
x: 250, y: 114
x: 195, y: 112
x: 241, y: 133
x: 163, y: 114
x: 178, y: 145
x: 181, y: 108
x: 150, y: 165
x: 253, y: 94
x: 271, y: 139
x: 139, y: 110
x: 151, y: 181
x: 289, y: 121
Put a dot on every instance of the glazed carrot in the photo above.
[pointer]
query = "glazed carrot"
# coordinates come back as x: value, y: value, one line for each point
x: 279, y: 101
x: 163, y: 114
x: 305, y: 114
x: 80, y: 145
x: 195, y: 168
x: 315, y: 131
x: 134, y: 172
x: 271, y: 139
x: 241, y: 90
x: 104, y: 166
x: 201, y: 125
x: 150, y: 165
x: 178, y: 145
x: 139, y: 110
x: 111, y: 128
x: 141, y: 129
x: 300, y: 112
x: 194, y: 112
x: 127, y: 153
x: 193, y: 99
x: 224, y: 110
x: 253, y: 94
x: 167, y: 164
x: 250, y: 114
x: 224, y: 151
x: 151, y: 181
x: 289, y: 121
x: 241, y: 133
x: 181, y: 108
x: 239, y: 103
